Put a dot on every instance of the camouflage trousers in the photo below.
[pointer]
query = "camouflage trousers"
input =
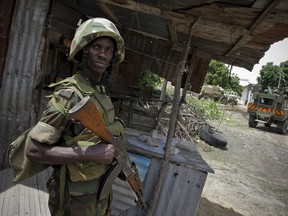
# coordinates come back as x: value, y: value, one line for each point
x: 83, y: 205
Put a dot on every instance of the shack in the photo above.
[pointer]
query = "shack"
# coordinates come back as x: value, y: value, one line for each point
x: 174, y: 39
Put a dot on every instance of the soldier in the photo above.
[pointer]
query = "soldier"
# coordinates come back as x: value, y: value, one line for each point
x: 79, y: 158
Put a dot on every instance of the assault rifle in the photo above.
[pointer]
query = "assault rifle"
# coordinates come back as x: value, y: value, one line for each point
x: 87, y: 113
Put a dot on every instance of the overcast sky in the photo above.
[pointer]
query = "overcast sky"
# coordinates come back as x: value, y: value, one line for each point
x: 277, y: 53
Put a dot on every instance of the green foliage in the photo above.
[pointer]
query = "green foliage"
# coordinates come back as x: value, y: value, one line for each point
x: 284, y: 74
x: 170, y: 90
x: 273, y: 75
x: 148, y: 78
x: 218, y: 74
x: 269, y: 75
x: 208, y: 108
x: 235, y: 85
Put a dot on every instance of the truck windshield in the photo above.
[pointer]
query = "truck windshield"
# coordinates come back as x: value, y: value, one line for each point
x: 266, y: 101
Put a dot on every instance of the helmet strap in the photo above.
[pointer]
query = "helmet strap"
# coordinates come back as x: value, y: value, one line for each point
x: 85, y: 54
x: 84, y: 57
x: 115, y: 58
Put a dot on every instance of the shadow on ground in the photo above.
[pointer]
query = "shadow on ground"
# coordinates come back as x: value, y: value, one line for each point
x: 208, y: 208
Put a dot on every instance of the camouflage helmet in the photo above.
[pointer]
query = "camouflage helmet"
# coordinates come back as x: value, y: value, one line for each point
x: 94, y: 28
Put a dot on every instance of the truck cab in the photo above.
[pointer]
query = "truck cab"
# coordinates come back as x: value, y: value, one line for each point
x: 269, y: 108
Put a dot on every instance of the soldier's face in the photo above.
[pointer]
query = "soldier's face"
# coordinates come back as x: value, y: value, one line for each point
x: 100, y: 54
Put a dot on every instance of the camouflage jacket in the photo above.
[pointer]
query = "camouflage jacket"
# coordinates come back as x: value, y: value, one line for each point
x: 55, y: 123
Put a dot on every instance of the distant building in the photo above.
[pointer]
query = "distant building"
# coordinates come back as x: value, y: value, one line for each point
x: 244, y: 82
x: 247, y: 88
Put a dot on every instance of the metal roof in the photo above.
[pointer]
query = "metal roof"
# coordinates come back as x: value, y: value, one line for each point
x: 233, y: 32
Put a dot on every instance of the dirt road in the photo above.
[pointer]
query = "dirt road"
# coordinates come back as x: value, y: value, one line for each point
x: 251, y: 176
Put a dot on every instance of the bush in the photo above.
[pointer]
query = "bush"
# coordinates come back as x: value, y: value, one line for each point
x: 208, y: 108
x: 148, y: 78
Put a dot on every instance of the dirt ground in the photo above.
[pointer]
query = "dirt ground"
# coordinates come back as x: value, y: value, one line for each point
x: 251, y: 175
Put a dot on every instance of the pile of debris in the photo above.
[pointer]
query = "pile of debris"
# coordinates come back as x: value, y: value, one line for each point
x: 188, y: 125
x: 191, y: 123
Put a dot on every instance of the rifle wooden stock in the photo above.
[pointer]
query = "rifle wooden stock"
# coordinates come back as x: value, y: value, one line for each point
x: 87, y: 113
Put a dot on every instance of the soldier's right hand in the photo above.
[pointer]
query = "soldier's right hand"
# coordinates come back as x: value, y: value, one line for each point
x: 101, y: 153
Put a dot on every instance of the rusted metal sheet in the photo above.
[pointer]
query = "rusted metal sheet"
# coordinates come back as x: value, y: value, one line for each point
x: 17, y: 111
x: 184, y: 181
x: 123, y: 198
x: 6, y: 11
x: 181, y: 191
x: 147, y: 53
x: 155, y: 55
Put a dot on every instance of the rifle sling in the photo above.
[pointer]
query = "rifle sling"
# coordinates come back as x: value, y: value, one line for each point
x: 108, y: 180
x: 62, y: 186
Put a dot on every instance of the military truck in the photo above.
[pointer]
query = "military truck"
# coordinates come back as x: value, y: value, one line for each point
x: 216, y: 93
x: 269, y: 107
x: 232, y: 97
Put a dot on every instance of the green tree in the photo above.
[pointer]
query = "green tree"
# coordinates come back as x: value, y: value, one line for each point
x: 235, y: 84
x: 273, y: 75
x: 284, y: 74
x: 218, y: 74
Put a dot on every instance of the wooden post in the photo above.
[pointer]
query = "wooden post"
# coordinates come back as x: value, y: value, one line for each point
x: 163, y: 89
x: 172, y: 126
x: 189, y: 74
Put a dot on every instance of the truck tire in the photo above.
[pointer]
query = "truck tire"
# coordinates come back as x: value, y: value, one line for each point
x: 252, y: 122
x: 205, y: 96
x: 212, y: 138
x: 268, y: 124
x: 224, y: 101
x: 282, y: 127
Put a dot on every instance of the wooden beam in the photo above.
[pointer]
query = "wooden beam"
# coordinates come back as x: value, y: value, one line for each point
x: 171, y: 24
x: 259, y: 20
x: 189, y: 73
x: 227, y: 60
x: 108, y: 11
x: 181, y: 20
x: 172, y: 125
x: 173, y: 31
x: 135, y: 6
x: 164, y: 4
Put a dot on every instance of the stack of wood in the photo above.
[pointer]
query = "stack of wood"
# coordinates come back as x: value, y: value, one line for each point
x: 188, y: 124
x: 154, y: 114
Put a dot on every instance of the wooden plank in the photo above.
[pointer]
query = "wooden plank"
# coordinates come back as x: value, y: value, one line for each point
x: 32, y: 197
x: 23, y: 201
x: 42, y: 190
x: 9, y: 200
x: 29, y: 197
x: 36, y: 196
x: 27, y: 204
x: 27, y: 200
x: 6, y: 185
x: 14, y: 209
x: 1, y: 193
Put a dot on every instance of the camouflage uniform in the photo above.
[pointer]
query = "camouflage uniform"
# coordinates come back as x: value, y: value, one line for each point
x: 54, y: 127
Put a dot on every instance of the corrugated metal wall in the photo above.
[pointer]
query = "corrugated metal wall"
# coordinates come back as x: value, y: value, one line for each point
x: 179, y: 195
x: 6, y: 11
x: 149, y: 53
x: 22, y: 63
x: 146, y: 53
x: 123, y: 198
x: 181, y: 191
x: 183, y: 184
